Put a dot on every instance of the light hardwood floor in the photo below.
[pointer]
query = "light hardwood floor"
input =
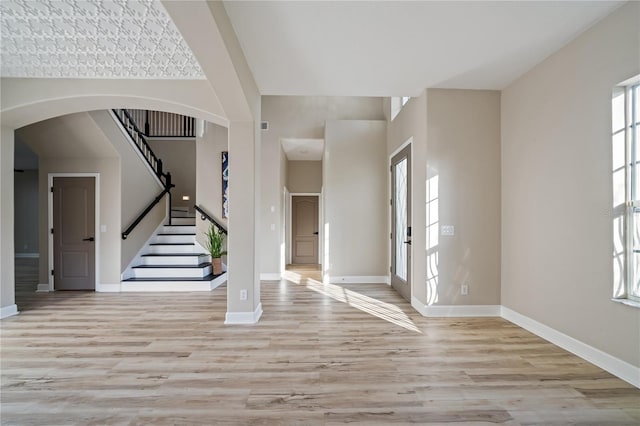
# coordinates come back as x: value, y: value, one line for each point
x: 319, y: 355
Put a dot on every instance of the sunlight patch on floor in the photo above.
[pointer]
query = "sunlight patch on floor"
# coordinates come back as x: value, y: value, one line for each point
x: 377, y: 308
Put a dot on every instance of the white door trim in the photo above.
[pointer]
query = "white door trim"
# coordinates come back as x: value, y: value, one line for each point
x: 96, y: 224
x: 289, y: 222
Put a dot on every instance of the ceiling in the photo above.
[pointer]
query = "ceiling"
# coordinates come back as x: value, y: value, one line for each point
x: 297, y: 149
x: 389, y: 48
x: 92, y: 39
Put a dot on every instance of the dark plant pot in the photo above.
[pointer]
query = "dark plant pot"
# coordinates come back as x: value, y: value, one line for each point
x: 217, y: 265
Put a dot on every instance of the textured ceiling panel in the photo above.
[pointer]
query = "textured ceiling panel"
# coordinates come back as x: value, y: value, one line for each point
x: 92, y: 39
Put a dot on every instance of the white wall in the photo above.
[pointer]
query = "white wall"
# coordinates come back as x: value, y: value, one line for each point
x: 304, y: 176
x: 355, y: 200
x: 179, y: 158
x: 209, y: 150
x: 295, y: 117
x: 557, y: 188
x: 7, y: 272
x: 463, y: 171
x: 138, y: 189
x: 26, y: 212
x: 411, y: 123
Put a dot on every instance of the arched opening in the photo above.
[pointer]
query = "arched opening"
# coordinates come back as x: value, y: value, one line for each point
x: 26, y: 115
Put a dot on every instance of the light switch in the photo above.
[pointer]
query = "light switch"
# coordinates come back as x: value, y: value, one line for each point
x: 103, y: 228
x: 447, y: 230
x: 273, y: 209
x: 273, y: 226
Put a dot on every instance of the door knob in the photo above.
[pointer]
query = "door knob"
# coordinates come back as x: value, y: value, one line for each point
x: 315, y: 233
x: 88, y: 239
x: 408, y: 242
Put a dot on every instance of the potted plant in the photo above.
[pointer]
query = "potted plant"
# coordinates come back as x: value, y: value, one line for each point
x: 214, y: 243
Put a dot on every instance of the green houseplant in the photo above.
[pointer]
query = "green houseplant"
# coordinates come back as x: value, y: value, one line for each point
x: 215, y: 245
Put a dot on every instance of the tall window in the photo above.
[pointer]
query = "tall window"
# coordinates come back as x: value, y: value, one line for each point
x: 626, y: 191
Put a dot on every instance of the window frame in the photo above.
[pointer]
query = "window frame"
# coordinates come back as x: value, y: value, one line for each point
x: 632, y: 120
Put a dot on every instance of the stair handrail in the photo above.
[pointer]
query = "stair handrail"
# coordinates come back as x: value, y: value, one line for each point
x: 138, y: 139
x: 165, y: 191
x: 206, y: 216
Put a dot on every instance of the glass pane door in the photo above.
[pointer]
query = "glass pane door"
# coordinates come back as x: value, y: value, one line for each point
x: 401, y: 222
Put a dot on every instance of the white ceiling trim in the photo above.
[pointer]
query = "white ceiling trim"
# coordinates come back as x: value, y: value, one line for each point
x: 92, y: 39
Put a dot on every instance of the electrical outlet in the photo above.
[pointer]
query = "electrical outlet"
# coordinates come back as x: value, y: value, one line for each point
x: 449, y: 230
x: 464, y: 289
x: 243, y: 294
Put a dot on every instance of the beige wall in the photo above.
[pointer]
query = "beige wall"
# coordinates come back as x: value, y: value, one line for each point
x: 557, y: 191
x: 463, y: 171
x: 108, y: 243
x: 209, y: 150
x: 26, y: 212
x: 304, y: 176
x: 355, y: 199
x: 179, y: 158
x: 295, y: 117
x: 411, y: 123
x: 139, y: 187
x: 7, y: 272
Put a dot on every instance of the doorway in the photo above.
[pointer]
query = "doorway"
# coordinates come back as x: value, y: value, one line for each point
x: 304, y: 229
x: 73, y: 232
x: 401, y: 222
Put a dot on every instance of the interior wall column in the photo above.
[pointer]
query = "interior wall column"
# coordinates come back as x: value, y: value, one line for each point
x: 243, y: 277
x: 7, y: 267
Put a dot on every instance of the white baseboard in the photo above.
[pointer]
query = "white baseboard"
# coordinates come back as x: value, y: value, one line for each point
x: 108, y: 288
x: 8, y: 311
x: 270, y: 276
x: 244, y: 317
x: 43, y: 288
x: 455, y: 310
x: 218, y: 281
x: 613, y: 365
x: 28, y: 255
x: 359, y: 279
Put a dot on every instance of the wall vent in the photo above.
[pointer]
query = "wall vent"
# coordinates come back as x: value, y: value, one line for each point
x: 264, y: 125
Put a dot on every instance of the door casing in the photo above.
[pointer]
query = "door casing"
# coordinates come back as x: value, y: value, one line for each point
x: 96, y: 177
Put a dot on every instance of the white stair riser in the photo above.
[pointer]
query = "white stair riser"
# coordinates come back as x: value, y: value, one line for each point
x: 163, y: 286
x: 181, y: 229
x: 183, y: 221
x: 162, y: 239
x: 173, y: 249
x: 174, y: 260
x: 171, y: 272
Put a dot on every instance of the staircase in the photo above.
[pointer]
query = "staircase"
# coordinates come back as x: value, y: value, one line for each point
x: 173, y: 261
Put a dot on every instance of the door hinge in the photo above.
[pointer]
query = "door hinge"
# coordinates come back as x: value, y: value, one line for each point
x: 51, y: 231
x: 52, y: 189
x: 391, y: 202
x: 52, y: 272
x: 391, y: 235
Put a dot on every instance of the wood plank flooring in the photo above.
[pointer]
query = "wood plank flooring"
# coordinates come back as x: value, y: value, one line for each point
x: 320, y: 355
